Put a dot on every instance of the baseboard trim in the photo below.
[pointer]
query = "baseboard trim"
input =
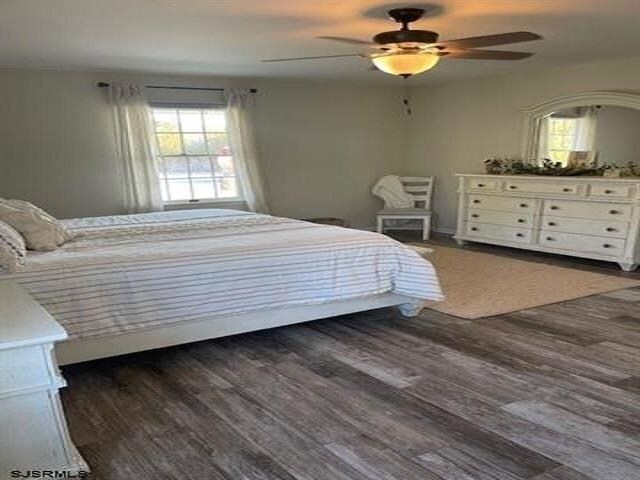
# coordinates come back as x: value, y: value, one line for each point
x: 448, y: 231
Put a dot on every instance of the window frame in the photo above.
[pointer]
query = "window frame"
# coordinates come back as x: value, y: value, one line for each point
x: 161, y: 167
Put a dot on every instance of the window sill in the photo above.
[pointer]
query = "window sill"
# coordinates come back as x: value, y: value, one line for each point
x: 234, y: 204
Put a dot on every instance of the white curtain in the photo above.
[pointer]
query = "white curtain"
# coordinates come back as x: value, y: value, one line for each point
x: 240, y: 112
x: 134, y: 139
x: 543, y: 139
x: 585, y: 137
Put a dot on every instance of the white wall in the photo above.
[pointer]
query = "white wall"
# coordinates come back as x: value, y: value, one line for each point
x: 455, y: 126
x: 56, y: 144
x: 322, y: 145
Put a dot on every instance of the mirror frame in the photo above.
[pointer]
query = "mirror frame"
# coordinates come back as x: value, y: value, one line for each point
x: 534, y: 113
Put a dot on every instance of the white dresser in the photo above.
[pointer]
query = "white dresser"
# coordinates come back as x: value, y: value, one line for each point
x: 592, y: 217
x: 33, y: 431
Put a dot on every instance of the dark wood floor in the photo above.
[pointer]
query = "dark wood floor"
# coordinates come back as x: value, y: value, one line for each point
x: 551, y: 393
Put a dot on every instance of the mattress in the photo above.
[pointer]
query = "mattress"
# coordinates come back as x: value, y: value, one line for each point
x: 127, y: 272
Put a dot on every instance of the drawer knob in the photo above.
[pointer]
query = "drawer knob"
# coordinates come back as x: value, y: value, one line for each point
x: 480, y: 185
x: 611, y: 229
x: 552, y: 224
x: 519, y: 234
x: 476, y: 201
x: 551, y: 239
x: 566, y: 189
x: 554, y: 207
x: 523, y: 205
x: 608, y: 191
x: 614, y: 212
x: 512, y: 187
x: 474, y: 215
x: 606, y: 245
x: 521, y: 220
x: 474, y: 229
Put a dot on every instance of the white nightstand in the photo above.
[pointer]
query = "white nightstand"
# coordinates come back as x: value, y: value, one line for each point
x: 33, y: 430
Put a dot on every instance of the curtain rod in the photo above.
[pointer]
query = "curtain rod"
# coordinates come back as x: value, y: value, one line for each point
x: 252, y: 90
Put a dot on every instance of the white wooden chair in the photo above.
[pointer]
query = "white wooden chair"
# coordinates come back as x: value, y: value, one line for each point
x: 421, y: 189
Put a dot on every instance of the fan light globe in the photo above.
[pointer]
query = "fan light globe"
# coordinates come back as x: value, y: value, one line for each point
x: 405, y: 64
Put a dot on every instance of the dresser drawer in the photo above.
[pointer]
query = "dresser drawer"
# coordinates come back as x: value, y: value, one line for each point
x: 500, y: 218
x: 560, y: 188
x: 588, y: 210
x: 498, y: 232
x: 613, y: 247
x: 484, y: 184
x: 504, y: 204
x: 611, y: 191
x: 587, y: 227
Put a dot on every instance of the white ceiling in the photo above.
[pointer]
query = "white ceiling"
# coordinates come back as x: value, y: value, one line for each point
x: 230, y: 37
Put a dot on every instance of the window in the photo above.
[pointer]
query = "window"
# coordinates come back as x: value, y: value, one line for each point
x: 194, y: 159
x: 561, y: 138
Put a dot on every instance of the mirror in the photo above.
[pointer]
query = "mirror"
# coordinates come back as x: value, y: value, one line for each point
x: 584, y: 135
x: 601, y: 127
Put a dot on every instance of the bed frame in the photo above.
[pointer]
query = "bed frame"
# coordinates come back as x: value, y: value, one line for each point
x: 80, y: 350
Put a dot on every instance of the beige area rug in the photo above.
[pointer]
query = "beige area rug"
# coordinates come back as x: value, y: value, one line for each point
x: 480, y: 285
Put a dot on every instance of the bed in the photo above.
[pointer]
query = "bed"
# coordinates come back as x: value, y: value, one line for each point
x: 128, y: 283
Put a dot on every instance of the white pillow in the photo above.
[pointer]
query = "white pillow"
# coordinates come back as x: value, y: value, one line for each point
x: 12, y: 248
x: 40, y: 230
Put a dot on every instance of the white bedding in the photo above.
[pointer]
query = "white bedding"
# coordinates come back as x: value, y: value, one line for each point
x: 127, y: 272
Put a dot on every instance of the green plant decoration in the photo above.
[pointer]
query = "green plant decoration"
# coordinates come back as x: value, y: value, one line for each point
x: 514, y: 166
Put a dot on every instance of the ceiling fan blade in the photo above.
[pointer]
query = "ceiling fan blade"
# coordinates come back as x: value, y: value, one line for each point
x: 488, y: 55
x: 312, y: 58
x: 352, y: 41
x: 490, y: 40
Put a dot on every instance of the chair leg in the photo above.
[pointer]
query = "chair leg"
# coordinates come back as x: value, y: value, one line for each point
x: 426, y: 228
x: 380, y: 225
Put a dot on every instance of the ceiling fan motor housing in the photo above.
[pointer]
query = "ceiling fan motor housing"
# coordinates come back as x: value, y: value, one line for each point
x: 405, y: 16
x: 406, y: 36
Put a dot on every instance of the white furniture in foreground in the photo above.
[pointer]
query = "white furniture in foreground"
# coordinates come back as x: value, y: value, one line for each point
x: 591, y: 217
x: 421, y: 189
x: 33, y: 431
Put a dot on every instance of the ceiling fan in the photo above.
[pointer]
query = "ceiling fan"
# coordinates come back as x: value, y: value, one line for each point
x: 408, y: 52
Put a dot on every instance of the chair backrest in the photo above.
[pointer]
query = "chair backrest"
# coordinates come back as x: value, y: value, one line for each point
x: 420, y: 188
